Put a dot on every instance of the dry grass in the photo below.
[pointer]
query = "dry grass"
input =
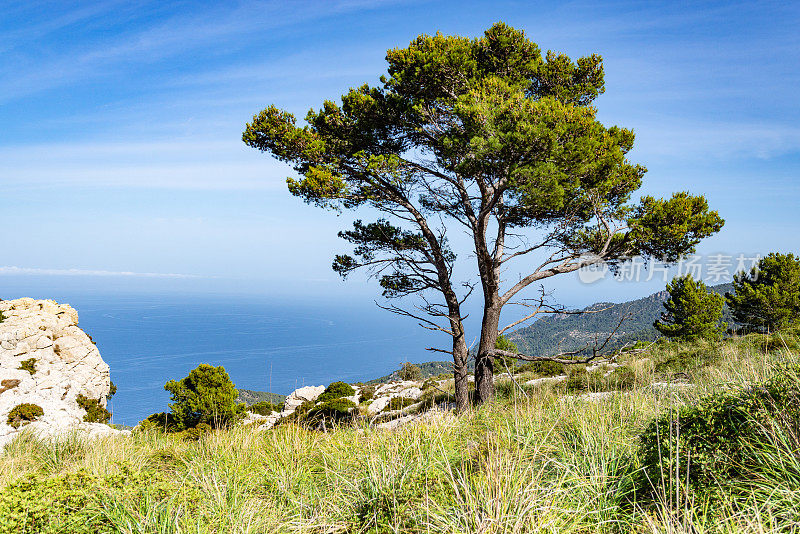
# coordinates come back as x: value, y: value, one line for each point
x: 545, y: 462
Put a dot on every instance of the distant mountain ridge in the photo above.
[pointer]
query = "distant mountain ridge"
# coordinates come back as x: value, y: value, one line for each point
x: 559, y: 333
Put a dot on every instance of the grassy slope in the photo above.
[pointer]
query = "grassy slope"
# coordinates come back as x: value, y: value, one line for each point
x: 539, y: 461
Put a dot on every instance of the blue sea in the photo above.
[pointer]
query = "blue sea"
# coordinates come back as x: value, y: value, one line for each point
x: 265, y: 344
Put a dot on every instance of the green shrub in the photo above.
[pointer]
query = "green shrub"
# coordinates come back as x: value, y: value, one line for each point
x: 409, y: 371
x: 717, y: 437
x: 366, y: 393
x: 330, y: 412
x: 95, y: 412
x: 264, y: 408
x: 22, y: 414
x: 336, y: 390
x: 196, y: 433
x: 542, y: 368
x: 112, y: 390
x: 79, y: 503
x: 398, y: 403
x: 207, y: 395
x: 164, y: 422
x: 28, y: 365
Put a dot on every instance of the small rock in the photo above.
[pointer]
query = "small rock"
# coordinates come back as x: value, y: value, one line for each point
x: 546, y: 380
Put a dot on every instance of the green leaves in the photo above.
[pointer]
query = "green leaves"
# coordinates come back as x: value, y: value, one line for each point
x: 668, y: 229
x: 768, y: 297
x: 715, y: 443
x: 206, y: 396
x: 692, y: 311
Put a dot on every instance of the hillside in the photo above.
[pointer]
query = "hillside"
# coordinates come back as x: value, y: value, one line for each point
x: 557, y: 333
x: 545, y: 457
x: 428, y: 369
x: 250, y: 397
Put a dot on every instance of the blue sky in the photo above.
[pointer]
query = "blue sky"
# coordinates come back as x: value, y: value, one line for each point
x: 120, y: 145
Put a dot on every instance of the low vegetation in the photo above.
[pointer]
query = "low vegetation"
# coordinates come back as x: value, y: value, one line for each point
x: 22, y: 414
x: 540, y: 459
x: 28, y: 365
x: 95, y: 412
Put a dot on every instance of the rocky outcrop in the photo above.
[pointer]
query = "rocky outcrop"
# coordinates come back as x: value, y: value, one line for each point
x: 46, y: 360
x: 376, y: 408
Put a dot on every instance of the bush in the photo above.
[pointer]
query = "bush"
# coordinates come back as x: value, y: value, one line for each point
x: 264, y: 408
x: 542, y: 368
x: 22, y: 414
x: 163, y: 422
x: 79, y: 503
x: 366, y: 393
x: 398, y: 403
x: 718, y: 436
x: 336, y: 390
x: 207, y: 395
x: 196, y: 433
x: 409, y: 371
x: 578, y: 379
x: 95, y: 412
x: 28, y: 365
x: 330, y: 412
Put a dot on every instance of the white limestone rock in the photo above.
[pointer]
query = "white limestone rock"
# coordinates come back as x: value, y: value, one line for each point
x: 67, y: 364
x: 378, y: 405
x: 301, y: 395
x: 546, y: 380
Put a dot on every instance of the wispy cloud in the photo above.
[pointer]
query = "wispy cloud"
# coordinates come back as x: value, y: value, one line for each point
x: 12, y: 270
x: 204, y: 165
x: 663, y: 137
x: 182, y: 33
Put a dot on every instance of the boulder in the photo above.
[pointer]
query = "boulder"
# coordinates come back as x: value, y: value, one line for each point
x: 301, y: 395
x: 46, y: 360
x: 378, y: 405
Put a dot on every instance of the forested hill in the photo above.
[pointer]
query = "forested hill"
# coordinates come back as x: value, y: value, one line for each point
x: 557, y: 333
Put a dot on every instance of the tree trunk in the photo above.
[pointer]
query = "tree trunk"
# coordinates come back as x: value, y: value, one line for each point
x: 484, y: 361
x: 460, y: 354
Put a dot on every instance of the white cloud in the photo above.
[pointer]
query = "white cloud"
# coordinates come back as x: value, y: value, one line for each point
x: 12, y: 270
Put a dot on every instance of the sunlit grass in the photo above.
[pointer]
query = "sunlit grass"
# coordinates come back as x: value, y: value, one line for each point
x: 536, y: 461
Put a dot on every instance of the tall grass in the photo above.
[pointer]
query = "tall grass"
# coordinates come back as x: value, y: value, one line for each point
x: 538, y: 461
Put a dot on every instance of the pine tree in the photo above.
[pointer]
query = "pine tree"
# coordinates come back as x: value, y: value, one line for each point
x: 206, y: 396
x: 768, y: 297
x: 692, y: 311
